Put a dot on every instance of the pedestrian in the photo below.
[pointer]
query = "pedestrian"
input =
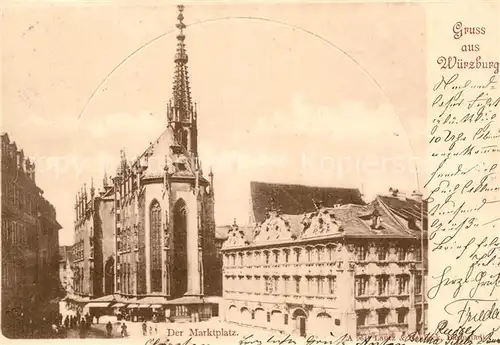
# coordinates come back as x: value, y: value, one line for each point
x: 109, y: 328
x: 144, y: 328
x: 124, y: 330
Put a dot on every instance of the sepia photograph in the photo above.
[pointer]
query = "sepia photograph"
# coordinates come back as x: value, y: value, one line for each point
x: 230, y: 172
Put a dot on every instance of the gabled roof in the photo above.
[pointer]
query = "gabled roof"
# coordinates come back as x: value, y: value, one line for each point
x: 297, y: 199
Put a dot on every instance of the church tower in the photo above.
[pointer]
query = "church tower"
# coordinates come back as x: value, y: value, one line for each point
x: 165, y: 228
x: 181, y: 113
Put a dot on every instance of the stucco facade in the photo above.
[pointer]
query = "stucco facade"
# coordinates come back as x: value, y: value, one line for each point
x: 347, y: 269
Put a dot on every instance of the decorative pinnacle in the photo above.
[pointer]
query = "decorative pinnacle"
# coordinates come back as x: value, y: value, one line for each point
x: 180, y: 109
x: 181, y: 26
x: 181, y: 56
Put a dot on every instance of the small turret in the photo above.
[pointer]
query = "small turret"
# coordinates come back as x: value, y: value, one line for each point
x: 211, y: 177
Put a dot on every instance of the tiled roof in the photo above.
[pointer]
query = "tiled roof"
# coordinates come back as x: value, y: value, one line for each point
x: 406, y: 210
x: 379, y: 219
x: 297, y: 199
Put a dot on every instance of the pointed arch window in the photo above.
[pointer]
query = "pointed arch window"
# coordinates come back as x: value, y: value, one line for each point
x: 155, y: 245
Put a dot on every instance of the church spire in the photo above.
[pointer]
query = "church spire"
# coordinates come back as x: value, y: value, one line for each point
x: 180, y: 110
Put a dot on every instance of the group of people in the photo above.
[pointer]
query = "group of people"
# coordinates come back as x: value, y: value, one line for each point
x: 28, y: 324
x: 80, y: 322
x: 152, y: 332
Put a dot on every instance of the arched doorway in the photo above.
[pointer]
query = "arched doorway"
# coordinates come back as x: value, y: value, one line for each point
x: 155, y: 245
x: 246, y: 316
x: 179, y: 267
x: 277, y: 319
x: 109, y: 276
x: 300, y: 322
x: 232, y: 314
x: 260, y: 317
x: 323, y: 324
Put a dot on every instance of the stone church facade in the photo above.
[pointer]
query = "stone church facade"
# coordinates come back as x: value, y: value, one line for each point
x: 162, y: 212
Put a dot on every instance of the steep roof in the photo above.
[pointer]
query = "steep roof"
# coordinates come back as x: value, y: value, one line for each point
x: 385, y: 217
x: 297, y: 199
x: 406, y: 210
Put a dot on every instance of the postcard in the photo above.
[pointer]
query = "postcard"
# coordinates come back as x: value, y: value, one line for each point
x: 250, y: 173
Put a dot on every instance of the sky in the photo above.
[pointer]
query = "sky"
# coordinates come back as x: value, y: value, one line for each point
x: 325, y: 94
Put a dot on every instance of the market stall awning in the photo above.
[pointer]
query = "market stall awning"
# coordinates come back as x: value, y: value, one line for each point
x: 186, y: 300
x: 98, y: 304
x: 143, y: 306
x: 131, y: 306
x: 119, y: 305
x: 156, y: 306
x: 153, y: 300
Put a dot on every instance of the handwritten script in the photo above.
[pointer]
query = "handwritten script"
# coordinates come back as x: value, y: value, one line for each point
x: 464, y: 191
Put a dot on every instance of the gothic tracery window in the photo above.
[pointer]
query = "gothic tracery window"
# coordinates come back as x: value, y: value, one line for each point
x: 155, y: 227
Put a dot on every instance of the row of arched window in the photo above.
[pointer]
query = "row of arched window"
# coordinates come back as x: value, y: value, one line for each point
x: 126, y: 277
x: 314, y: 285
x: 19, y: 197
x: 382, y: 285
x: 383, y: 253
x: 382, y: 316
x: 16, y: 233
x: 78, y: 250
x: 320, y: 253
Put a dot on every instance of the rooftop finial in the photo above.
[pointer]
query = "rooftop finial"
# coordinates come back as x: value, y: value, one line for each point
x: 181, y: 55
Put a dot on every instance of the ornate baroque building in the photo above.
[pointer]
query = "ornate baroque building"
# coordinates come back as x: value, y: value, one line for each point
x: 164, y: 253
x: 30, y: 242
x: 320, y: 260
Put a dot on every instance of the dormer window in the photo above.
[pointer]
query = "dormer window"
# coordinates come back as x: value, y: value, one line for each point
x: 180, y: 166
x: 412, y: 224
x: 375, y: 219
